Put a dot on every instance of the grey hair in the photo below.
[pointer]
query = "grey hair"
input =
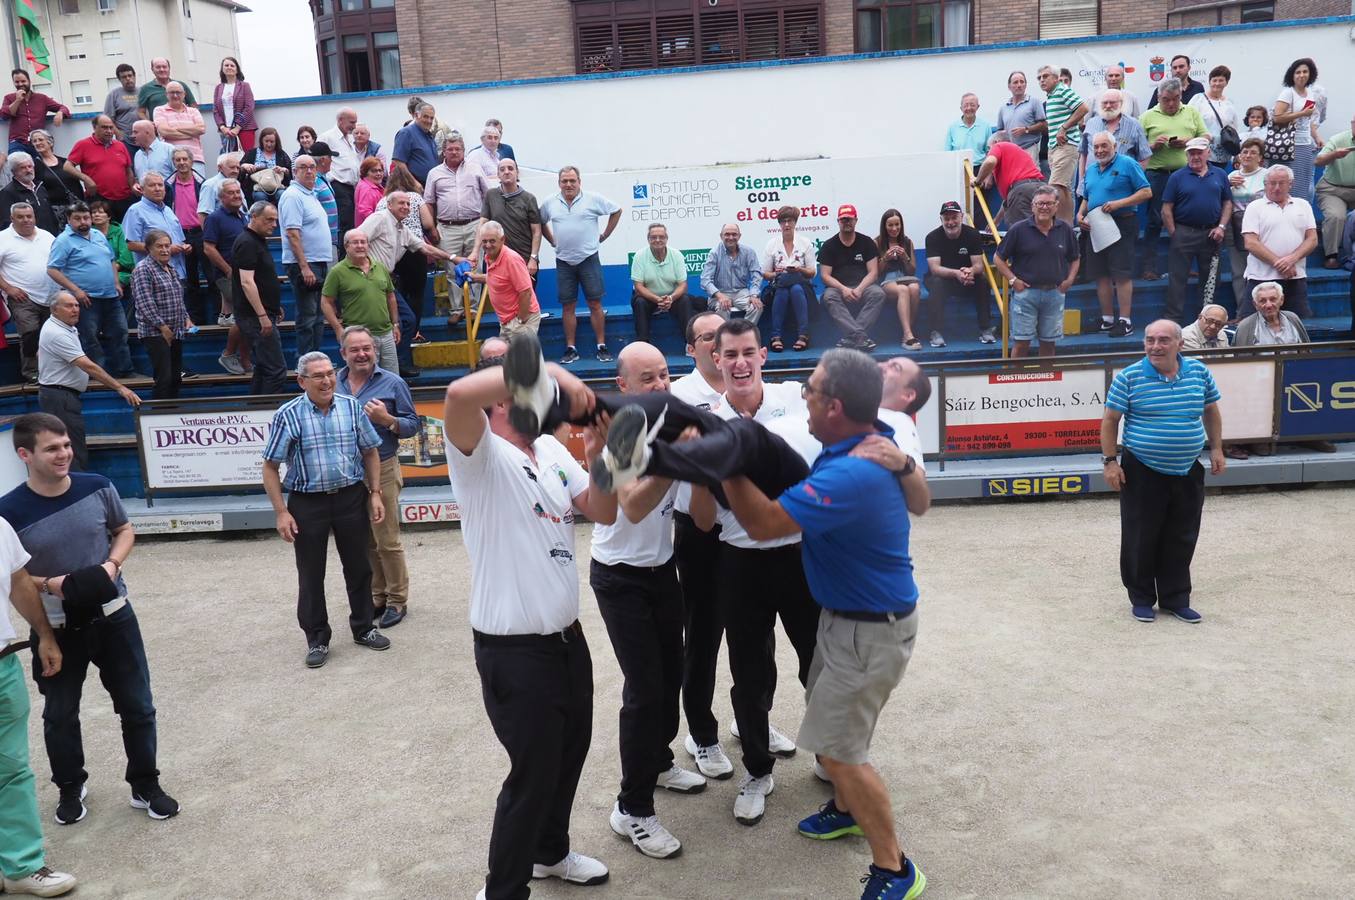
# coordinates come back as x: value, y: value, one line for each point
x: 18, y: 157
x: 146, y: 179
x: 38, y: 132
x: 228, y: 157
x: 564, y: 169
x: 306, y: 359
x: 1280, y: 169
x: 258, y: 208
x: 453, y: 138
x: 22, y: 204
x: 999, y: 136
x: 1106, y: 95
x: 1045, y: 189
x: 1105, y: 134
x: 492, y: 227
x: 855, y: 379
x: 154, y: 236
x: 306, y: 156
x: 1169, y: 87
x: 1175, y: 327
x: 1054, y: 70
x: 351, y: 233
x: 1268, y: 286
x: 653, y: 225
x: 355, y: 329
x: 422, y: 106
x: 491, y: 129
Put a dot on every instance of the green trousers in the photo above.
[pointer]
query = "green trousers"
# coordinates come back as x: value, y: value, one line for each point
x: 20, y: 827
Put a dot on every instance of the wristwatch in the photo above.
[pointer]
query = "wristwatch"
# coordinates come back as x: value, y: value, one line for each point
x: 533, y: 256
x: 1107, y: 460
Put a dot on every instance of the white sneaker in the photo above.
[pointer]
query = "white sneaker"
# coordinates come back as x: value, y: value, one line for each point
x: 42, y: 883
x: 682, y: 781
x: 752, y: 800
x: 231, y: 363
x: 574, y: 868
x: 481, y: 895
x: 710, y: 760
x: 821, y: 773
x: 533, y: 390
x: 777, y: 743
x: 627, y: 453
x: 645, y: 832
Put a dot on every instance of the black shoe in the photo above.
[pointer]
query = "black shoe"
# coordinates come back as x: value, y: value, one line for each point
x: 867, y: 345
x: 316, y: 656
x: 847, y: 343
x: 1103, y: 326
x: 156, y: 803
x: 188, y: 373
x: 71, y: 807
x: 410, y: 372
x: 373, y: 640
x: 604, y: 355
x: 1121, y: 328
x: 571, y: 356
x: 392, y: 616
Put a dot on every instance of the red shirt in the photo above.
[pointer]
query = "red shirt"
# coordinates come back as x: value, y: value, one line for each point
x: 108, y: 166
x: 32, y: 114
x: 506, y: 278
x: 1013, y: 165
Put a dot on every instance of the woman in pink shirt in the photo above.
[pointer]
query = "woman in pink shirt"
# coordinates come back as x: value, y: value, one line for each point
x: 369, y: 191
x: 181, y: 125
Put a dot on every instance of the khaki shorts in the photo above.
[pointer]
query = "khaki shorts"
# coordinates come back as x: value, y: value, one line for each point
x: 1063, y: 165
x: 856, y: 666
x: 514, y: 325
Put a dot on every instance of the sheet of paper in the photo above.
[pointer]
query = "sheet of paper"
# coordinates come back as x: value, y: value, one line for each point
x: 1104, y: 230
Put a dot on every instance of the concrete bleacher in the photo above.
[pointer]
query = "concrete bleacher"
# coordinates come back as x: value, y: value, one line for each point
x: 110, y: 421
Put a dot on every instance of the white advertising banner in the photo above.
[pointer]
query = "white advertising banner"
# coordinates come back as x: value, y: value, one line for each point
x: 1246, y: 396
x: 1002, y: 412
x: 929, y: 420
x: 204, y: 449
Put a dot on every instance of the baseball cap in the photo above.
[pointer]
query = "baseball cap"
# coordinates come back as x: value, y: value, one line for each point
x: 846, y: 211
x: 1198, y: 143
x: 319, y: 148
x: 951, y: 206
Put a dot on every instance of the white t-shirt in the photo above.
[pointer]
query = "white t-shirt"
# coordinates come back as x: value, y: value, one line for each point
x: 1303, y: 128
x: 905, y: 434
x: 1280, y: 230
x: 648, y: 542
x: 517, y: 519
x: 14, y: 557
x: 1226, y: 112
x: 801, y: 255
x: 23, y: 263
x: 784, y: 413
x: 693, y: 389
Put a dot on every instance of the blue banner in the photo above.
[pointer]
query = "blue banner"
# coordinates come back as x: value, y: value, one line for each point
x: 1318, y: 397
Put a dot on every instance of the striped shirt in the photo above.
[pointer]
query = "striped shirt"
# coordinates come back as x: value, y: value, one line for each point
x: 157, y: 297
x: 1163, y: 418
x: 1059, y: 106
x: 323, y: 451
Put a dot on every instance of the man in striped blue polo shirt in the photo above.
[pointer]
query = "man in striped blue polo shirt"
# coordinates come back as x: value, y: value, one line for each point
x: 1170, y: 406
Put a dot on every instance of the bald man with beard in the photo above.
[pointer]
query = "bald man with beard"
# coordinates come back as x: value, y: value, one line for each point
x: 634, y: 578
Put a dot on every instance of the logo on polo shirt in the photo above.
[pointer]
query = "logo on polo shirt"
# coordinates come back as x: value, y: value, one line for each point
x: 818, y: 498
x: 541, y: 513
x: 560, y: 473
x: 561, y: 554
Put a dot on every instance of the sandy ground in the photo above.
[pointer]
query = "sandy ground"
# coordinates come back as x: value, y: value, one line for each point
x: 1043, y: 744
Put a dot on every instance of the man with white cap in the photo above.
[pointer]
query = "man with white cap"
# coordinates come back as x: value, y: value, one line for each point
x: 1196, y: 208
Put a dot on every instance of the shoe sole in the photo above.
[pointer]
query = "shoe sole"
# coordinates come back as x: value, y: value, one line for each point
x: 641, y: 850
x: 750, y: 822
x: 681, y: 790
x: 84, y: 810
x: 521, y: 369
x: 370, y: 647
x: 589, y: 882
x: 1146, y: 618
x: 138, y: 803
x: 833, y: 835
x: 316, y: 665
x: 1188, y: 621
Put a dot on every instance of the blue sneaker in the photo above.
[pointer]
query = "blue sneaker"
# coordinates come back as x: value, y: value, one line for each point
x: 882, y: 885
x: 1186, y: 614
x: 1144, y: 613
x: 829, y: 823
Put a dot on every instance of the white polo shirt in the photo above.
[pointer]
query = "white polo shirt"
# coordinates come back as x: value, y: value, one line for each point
x: 517, y: 520
x: 58, y: 349
x: 905, y: 433
x: 23, y: 263
x: 1281, y: 230
x: 648, y: 542
x: 14, y: 557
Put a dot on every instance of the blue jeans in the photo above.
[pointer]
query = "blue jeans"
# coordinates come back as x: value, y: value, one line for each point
x: 310, y: 322
x: 114, y: 646
x: 787, y: 298
x: 569, y: 277
x: 106, y: 316
x: 1037, y: 312
x: 1152, y: 231
x: 26, y: 147
x: 408, y: 325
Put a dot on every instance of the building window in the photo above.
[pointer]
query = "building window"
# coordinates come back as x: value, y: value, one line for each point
x: 357, y: 65
x: 1069, y: 19
x: 108, y: 6
x: 191, y: 49
x: 81, y: 92
x: 329, y: 68
x: 351, y: 5
x: 381, y: 4
x: 911, y: 24
x: 69, y: 7
x: 112, y: 84
x: 187, y: 10
x: 112, y: 42
x: 661, y: 34
x: 1258, y: 12
x: 75, y: 46
x: 387, y: 47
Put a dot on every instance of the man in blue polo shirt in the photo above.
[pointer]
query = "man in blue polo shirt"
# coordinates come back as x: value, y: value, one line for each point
x: 1170, y: 406
x: 415, y: 150
x: 1116, y: 185
x: 1197, y: 206
x: 853, y: 514
x: 81, y: 261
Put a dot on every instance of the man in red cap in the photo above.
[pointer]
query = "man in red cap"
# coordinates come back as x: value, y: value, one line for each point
x: 849, y: 264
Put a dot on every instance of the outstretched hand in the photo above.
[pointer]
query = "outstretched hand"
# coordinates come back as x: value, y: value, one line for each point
x: 882, y: 451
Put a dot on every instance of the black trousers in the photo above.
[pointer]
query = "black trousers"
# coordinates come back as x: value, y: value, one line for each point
x: 1188, y: 245
x: 166, y: 364
x: 344, y: 197
x: 270, y: 368
x: 65, y: 404
x: 411, y: 280
x: 197, y: 294
x: 755, y: 587
x: 644, y: 310
x: 944, y: 291
x: 344, y: 513
x: 697, y: 552
x: 1159, y: 525
x: 642, y: 608
x: 538, y: 693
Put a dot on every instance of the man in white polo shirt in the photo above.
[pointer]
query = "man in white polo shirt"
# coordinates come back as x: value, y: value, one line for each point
x: 634, y: 579
x: 24, y: 250
x: 1280, y: 231
x: 518, y: 495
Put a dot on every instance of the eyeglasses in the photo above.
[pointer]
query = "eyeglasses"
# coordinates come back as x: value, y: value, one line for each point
x: 1217, y: 323
x: 807, y: 390
x: 323, y: 376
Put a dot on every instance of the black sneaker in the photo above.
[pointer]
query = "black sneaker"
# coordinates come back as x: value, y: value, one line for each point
x: 867, y: 345
x: 1121, y: 328
x: 1103, y: 326
x: 156, y: 803
x: 71, y: 807
x: 604, y: 355
x: 373, y: 640
x: 571, y: 356
x: 316, y: 656
x: 391, y: 616
x: 411, y: 372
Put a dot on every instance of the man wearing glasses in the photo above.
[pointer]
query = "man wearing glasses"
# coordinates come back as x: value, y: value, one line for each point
x: 334, y: 484
x: 1039, y: 256
x: 1206, y: 332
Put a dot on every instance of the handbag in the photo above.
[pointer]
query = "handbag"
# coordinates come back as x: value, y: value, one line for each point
x: 1229, y: 142
x: 1280, y: 143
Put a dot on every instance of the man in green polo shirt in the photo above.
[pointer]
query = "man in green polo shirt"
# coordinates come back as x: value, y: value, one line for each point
x: 1168, y: 126
x: 152, y: 93
x: 1336, y: 191
x: 359, y: 289
x: 659, y: 277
